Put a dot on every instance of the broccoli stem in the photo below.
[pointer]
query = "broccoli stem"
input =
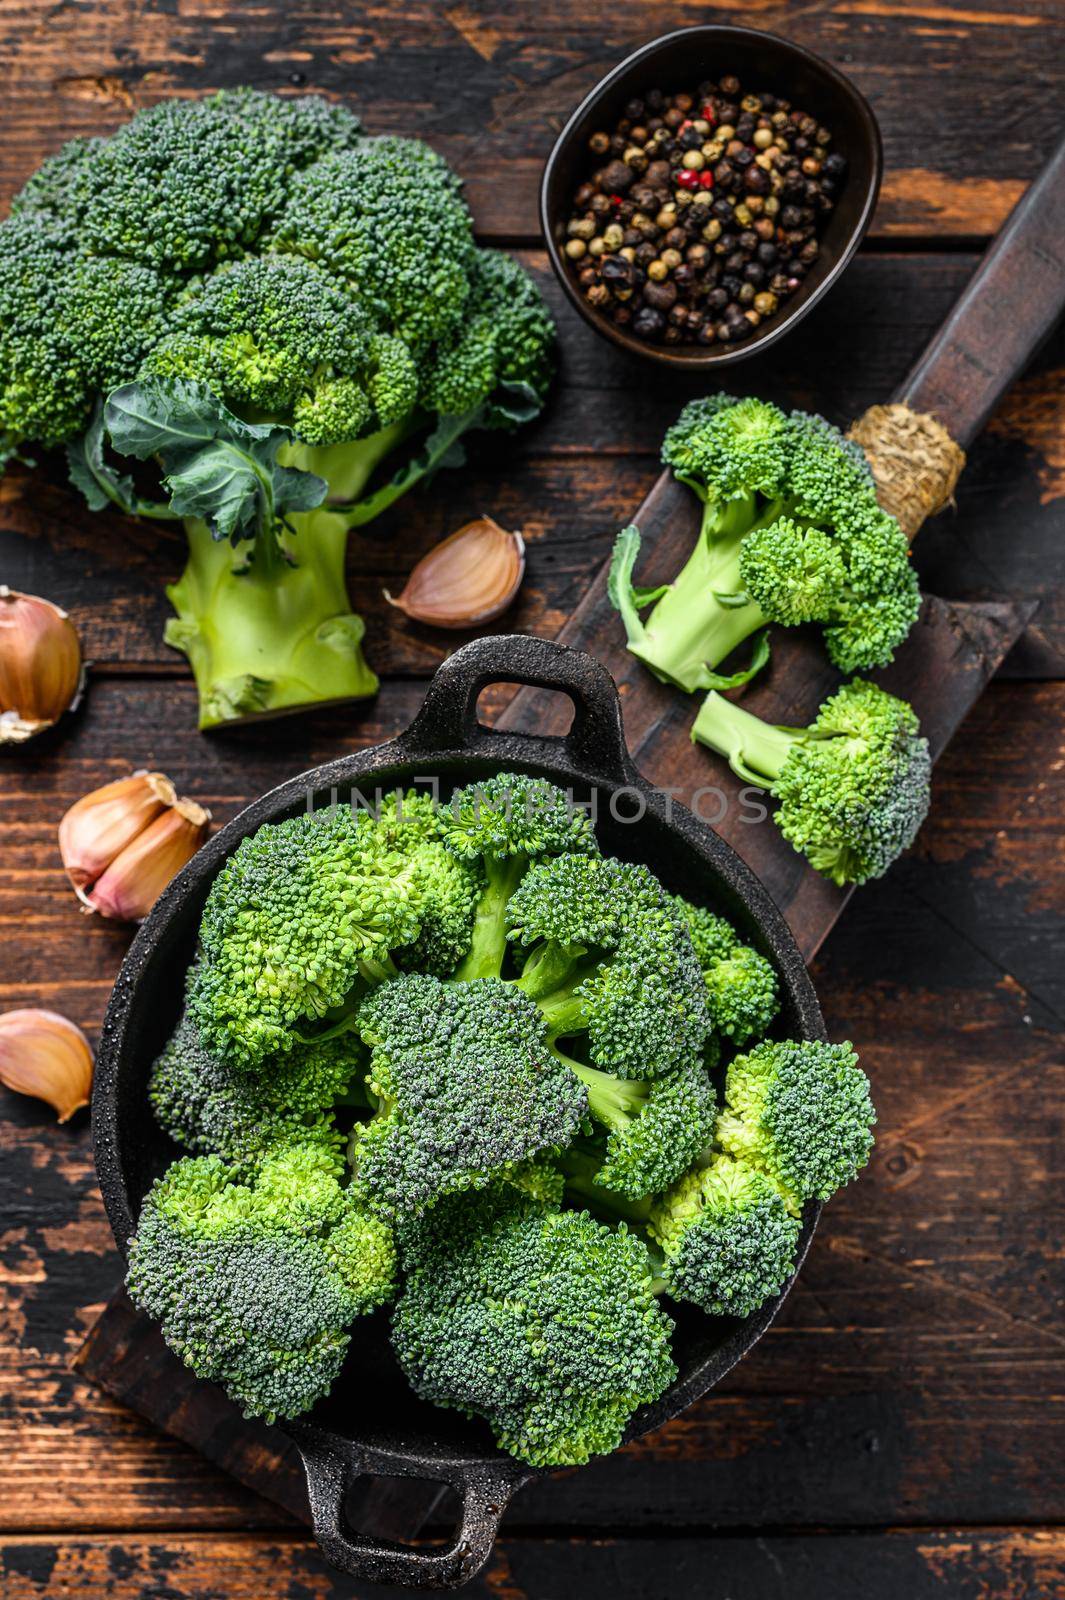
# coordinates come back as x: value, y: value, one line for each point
x: 754, y: 749
x: 580, y: 1168
x: 612, y: 1101
x: 347, y: 468
x: 549, y: 969
x: 691, y: 630
x: 488, y: 947
x: 563, y: 1009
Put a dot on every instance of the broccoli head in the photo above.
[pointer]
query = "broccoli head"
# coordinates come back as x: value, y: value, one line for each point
x: 289, y: 324
x: 727, y: 1237
x: 465, y: 1088
x: 791, y: 533
x: 255, y: 1286
x: 243, y: 1116
x: 544, y: 1323
x: 654, y: 1128
x: 801, y: 1113
x: 853, y: 786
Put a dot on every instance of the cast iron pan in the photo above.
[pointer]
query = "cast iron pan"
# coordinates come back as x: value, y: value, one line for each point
x: 371, y: 1423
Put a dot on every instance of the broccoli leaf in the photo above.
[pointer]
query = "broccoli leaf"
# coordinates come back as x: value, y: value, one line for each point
x: 736, y: 680
x: 92, y: 473
x: 216, y: 466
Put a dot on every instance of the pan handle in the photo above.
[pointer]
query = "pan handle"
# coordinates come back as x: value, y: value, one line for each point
x: 332, y: 1469
x: 594, y: 745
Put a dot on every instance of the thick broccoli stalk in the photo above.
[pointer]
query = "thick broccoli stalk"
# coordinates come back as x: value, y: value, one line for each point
x: 465, y: 1086
x: 791, y: 532
x: 800, y: 1112
x: 853, y: 787
x: 611, y: 962
x: 504, y: 824
x: 255, y: 1286
x: 290, y: 324
x: 545, y: 1323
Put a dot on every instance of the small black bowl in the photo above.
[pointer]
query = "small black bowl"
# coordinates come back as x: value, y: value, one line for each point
x: 760, y: 61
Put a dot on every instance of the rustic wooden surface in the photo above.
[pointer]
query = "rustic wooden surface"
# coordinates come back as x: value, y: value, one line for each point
x: 896, y: 1432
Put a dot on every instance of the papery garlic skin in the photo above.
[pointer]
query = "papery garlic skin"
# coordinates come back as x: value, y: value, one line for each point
x: 100, y: 825
x: 41, y: 669
x: 471, y: 577
x: 140, y: 872
x: 46, y: 1055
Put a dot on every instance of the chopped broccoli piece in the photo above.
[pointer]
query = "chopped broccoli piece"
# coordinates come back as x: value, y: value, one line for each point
x: 801, y: 1113
x: 466, y: 1087
x: 244, y: 1116
x: 256, y: 1286
x: 742, y: 989
x: 727, y: 1237
x: 543, y: 1322
x: 853, y: 786
x: 791, y: 533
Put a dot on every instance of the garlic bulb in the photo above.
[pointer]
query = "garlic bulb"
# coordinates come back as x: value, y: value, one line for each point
x: 41, y: 671
x: 469, y: 578
x: 122, y: 844
x: 43, y: 1054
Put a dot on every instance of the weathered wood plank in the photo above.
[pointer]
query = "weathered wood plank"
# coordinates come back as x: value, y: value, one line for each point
x: 912, y: 1374
x: 962, y: 1563
x: 491, y: 84
x: 573, y: 478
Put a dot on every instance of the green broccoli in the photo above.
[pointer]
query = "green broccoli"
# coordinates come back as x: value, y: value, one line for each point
x: 611, y: 962
x: 801, y: 1113
x: 302, y: 911
x: 853, y: 787
x: 465, y: 1088
x: 741, y: 985
x: 654, y: 1128
x: 504, y: 823
x: 291, y: 325
x: 255, y: 1286
x: 791, y: 532
x: 545, y: 1323
x: 243, y: 1116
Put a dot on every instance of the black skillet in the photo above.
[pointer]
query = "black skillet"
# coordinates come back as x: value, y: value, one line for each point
x: 371, y: 1423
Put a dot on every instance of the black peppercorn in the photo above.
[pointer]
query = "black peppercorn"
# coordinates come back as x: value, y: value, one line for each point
x: 766, y: 253
x: 717, y: 299
x: 834, y: 166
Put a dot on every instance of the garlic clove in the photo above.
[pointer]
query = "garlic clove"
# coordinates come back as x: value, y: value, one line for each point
x: 469, y: 578
x: 140, y: 872
x: 43, y: 1054
x: 100, y: 825
x: 41, y: 669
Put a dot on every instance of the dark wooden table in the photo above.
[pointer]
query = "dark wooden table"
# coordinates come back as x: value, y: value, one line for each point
x: 896, y: 1433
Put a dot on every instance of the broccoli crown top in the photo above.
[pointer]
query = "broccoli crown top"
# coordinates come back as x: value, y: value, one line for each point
x: 854, y: 789
x: 729, y: 449
x: 801, y: 1113
x: 727, y: 1236
x: 512, y: 815
x: 289, y: 918
x: 213, y: 1108
x: 386, y: 217
x: 505, y: 338
x: 544, y: 1323
x: 743, y: 994
x: 255, y: 1287
x: 466, y: 1086
x: 615, y: 962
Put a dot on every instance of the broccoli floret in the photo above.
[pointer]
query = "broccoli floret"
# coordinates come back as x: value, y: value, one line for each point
x: 256, y: 1286
x: 264, y: 306
x: 244, y: 1116
x: 544, y: 1323
x: 801, y: 1113
x: 742, y: 989
x: 727, y: 1237
x: 300, y: 911
x: 611, y: 962
x: 853, y: 786
x: 465, y: 1085
x: 504, y: 823
x: 654, y: 1129
x: 791, y: 533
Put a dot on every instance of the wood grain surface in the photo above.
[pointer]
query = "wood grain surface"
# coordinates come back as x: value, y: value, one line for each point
x: 897, y: 1432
